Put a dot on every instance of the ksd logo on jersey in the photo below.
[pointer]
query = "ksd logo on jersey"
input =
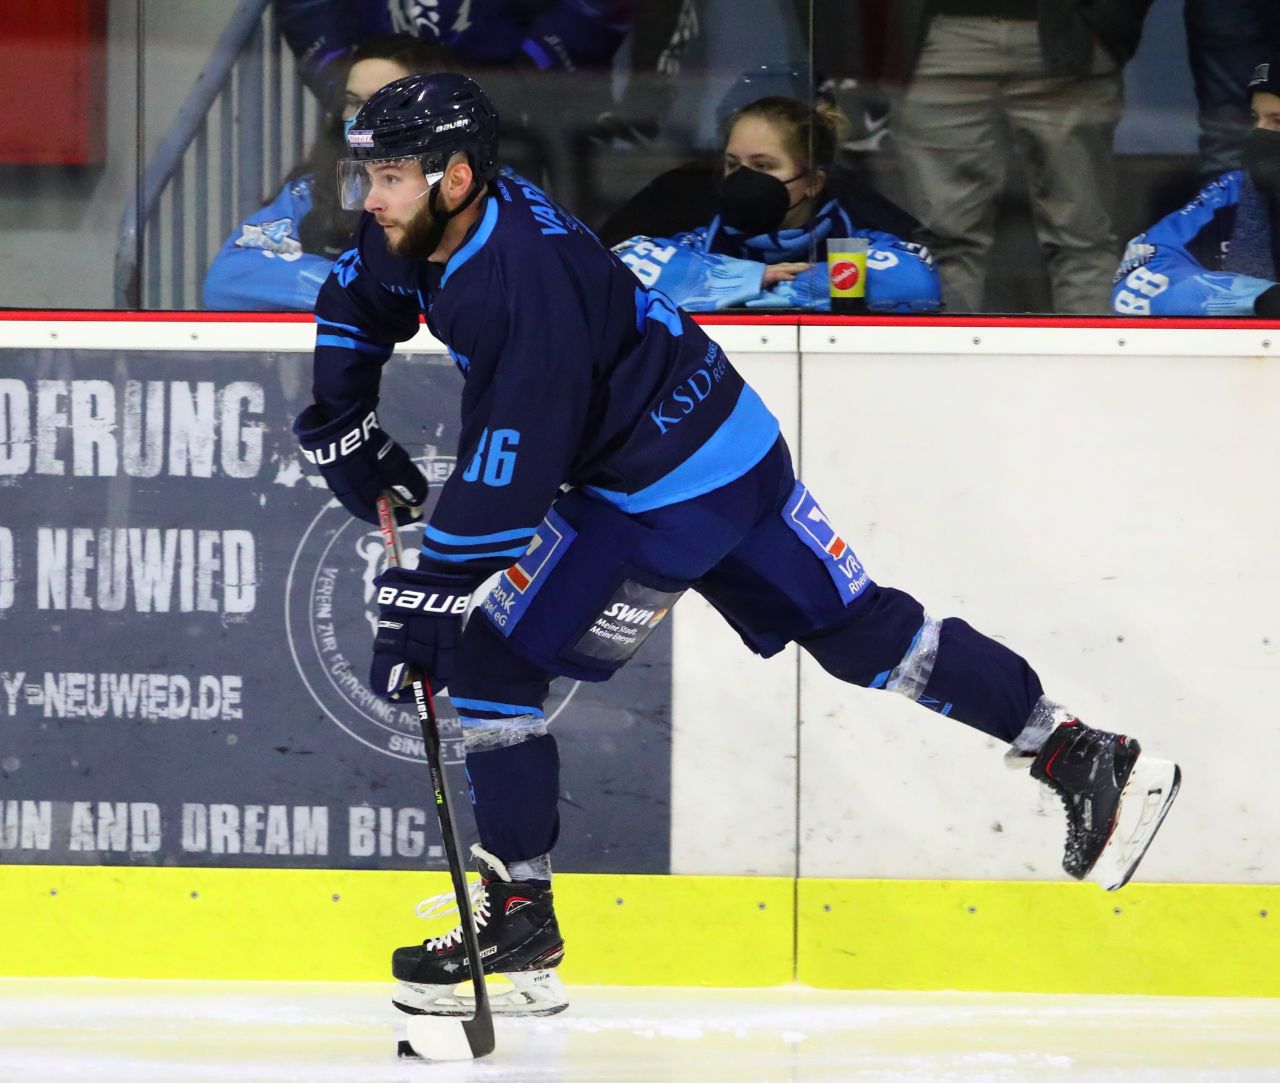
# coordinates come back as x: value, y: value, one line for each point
x: 331, y: 615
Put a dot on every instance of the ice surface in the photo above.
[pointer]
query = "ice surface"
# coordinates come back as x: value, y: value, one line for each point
x: 190, y: 1032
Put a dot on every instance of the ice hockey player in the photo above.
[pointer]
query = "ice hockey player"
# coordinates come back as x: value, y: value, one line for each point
x: 610, y: 459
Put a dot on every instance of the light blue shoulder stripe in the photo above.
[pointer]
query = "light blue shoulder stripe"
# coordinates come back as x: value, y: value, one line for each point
x: 477, y: 539
x: 735, y: 447
x: 478, y: 238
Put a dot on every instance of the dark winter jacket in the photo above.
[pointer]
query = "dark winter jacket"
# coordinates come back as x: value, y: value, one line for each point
x: 1068, y: 29
x: 686, y: 197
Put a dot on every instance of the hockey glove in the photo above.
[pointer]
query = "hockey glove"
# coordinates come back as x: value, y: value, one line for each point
x: 420, y: 617
x: 1267, y: 304
x: 358, y: 461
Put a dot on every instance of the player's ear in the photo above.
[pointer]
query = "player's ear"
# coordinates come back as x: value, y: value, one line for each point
x: 459, y: 174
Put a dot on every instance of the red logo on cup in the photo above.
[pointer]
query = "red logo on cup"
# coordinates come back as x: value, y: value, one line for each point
x: 844, y: 274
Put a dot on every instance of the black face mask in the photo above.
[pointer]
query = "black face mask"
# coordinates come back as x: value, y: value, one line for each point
x: 1262, y: 159
x: 754, y: 202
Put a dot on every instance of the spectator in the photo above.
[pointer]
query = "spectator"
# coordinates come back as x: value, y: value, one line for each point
x: 780, y: 199
x: 1049, y: 71
x: 1220, y: 254
x: 1226, y: 40
x: 542, y: 34
x: 279, y: 256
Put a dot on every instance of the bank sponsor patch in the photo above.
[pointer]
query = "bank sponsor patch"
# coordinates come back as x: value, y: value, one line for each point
x: 810, y: 523
x: 510, y: 596
x: 626, y: 621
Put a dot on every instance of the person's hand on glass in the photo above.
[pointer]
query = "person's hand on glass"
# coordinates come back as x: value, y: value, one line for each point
x: 782, y: 272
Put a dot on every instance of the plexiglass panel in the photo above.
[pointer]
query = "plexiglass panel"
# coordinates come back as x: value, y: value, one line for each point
x: 980, y: 156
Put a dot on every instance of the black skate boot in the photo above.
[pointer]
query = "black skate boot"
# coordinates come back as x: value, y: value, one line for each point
x: 1116, y: 798
x: 519, y: 939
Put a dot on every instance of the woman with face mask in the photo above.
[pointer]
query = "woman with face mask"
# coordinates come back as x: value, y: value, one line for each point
x: 780, y: 199
x: 278, y: 257
x: 1220, y: 254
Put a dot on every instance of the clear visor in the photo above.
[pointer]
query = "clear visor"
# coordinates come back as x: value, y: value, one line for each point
x: 398, y: 179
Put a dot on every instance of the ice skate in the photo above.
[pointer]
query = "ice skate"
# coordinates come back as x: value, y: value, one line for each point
x: 1115, y: 796
x: 519, y: 940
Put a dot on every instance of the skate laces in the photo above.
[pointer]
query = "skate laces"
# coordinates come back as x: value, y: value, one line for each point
x: 447, y: 903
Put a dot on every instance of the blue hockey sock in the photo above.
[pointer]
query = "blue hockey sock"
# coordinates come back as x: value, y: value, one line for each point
x: 515, y: 792
x: 976, y: 680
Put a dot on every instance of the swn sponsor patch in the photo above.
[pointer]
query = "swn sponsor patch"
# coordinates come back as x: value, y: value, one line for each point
x: 626, y: 621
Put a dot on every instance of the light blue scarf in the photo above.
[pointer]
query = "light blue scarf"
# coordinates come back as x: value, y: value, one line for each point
x: 803, y: 244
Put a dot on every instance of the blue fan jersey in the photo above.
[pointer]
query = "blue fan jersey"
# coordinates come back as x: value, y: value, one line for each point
x: 713, y: 267
x: 573, y: 373
x: 261, y: 267
x: 1175, y: 267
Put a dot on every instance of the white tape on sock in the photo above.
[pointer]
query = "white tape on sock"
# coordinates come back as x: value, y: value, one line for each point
x: 911, y: 676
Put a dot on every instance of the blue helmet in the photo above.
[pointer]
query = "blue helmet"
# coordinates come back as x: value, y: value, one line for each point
x: 430, y: 117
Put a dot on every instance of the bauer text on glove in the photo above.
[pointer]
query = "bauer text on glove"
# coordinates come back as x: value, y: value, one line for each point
x: 358, y: 461
x: 420, y: 617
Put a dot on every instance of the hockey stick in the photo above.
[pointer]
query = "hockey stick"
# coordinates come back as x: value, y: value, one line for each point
x: 478, y: 1027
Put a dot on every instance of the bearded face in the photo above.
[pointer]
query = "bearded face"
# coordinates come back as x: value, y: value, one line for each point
x: 420, y: 235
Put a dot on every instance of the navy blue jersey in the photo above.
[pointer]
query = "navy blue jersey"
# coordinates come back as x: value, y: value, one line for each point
x: 573, y: 374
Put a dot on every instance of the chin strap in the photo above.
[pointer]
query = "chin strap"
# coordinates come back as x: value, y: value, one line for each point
x: 441, y: 219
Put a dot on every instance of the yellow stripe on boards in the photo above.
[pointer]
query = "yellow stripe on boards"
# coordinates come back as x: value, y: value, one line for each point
x: 1155, y: 939
x: 321, y: 925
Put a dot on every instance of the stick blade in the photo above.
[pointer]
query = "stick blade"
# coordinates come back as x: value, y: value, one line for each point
x: 479, y: 1032
x: 437, y: 1037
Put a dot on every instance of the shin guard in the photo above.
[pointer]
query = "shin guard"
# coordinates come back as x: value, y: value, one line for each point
x: 515, y: 791
x: 980, y: 682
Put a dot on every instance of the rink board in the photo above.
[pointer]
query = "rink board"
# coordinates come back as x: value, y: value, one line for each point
x: 186, y: 598
x: 315, y: 925
x: 1098, y: 495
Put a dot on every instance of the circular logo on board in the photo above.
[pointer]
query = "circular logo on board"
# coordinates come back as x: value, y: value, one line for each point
x: 331, y: 618
x: 844, y: 274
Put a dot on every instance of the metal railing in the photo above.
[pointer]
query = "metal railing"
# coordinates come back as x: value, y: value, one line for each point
x: 218, y: 161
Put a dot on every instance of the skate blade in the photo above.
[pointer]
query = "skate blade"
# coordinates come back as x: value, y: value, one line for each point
x: 1144, y: 803
x: 530, y: 993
